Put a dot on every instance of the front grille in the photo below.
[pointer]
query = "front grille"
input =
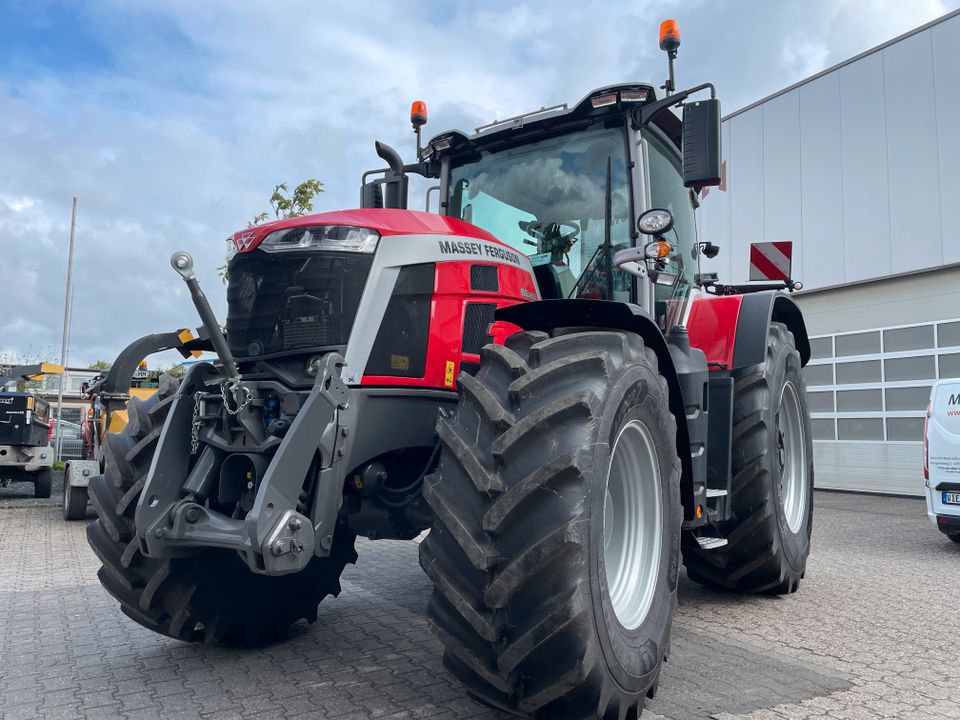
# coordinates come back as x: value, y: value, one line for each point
x: 476, y: 322
x: 295, y: 301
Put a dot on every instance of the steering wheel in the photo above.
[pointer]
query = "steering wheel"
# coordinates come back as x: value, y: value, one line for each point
x: 537, y: 230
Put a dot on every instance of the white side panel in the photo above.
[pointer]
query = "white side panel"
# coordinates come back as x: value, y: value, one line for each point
x: 912, y: 154
x: 781, y: 175
x: 821, y: 196
x: 866, y: 216
x: 946, y: 73
x: 869, y: 467
x: 397, y: 251
x: 745, y: 187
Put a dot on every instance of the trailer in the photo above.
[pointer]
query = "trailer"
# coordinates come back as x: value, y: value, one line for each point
x: 25, y: 452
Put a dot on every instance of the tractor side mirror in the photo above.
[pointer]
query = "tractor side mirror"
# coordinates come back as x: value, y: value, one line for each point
x: 701, y: 143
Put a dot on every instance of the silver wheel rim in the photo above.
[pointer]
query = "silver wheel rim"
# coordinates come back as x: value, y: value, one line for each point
x: 632, y: 522
x: 792, y: 458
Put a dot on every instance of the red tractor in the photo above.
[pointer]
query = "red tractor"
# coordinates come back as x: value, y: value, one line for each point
x: 538, y: 374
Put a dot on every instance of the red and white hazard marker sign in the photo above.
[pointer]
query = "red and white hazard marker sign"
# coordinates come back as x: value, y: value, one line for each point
x: 770, y: 260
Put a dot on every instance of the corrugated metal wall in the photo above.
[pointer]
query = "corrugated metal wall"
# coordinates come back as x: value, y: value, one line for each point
x: 877, y: 348
x: 859, y: 167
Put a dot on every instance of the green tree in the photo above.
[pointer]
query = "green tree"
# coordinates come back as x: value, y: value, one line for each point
x: 101, y: 365
x: 299, y: 202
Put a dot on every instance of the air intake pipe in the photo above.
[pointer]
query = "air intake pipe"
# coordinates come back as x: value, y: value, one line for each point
x: 395, y: 180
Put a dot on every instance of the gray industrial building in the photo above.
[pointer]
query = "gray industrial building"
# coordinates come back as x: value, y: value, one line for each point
x: 859, y: 166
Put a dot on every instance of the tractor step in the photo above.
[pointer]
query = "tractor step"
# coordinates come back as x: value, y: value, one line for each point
x: 711, y: 543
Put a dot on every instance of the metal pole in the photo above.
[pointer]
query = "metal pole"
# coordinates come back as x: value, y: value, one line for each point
x: 68, y: 296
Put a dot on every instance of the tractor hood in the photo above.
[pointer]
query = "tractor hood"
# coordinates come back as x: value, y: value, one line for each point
x: 381, y: 221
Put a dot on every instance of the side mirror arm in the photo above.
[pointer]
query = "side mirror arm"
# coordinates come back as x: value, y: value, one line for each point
x: 645, y: 113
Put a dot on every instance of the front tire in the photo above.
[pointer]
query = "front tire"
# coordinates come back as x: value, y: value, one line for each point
x: 43, y: 483
x: 768, y: 535
x: 554, y: 562
x: 209, y: 596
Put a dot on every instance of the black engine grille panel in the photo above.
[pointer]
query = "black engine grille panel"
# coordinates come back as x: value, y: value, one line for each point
x: 476, y: 321
x: 400, y: 348
x: 484, y: 278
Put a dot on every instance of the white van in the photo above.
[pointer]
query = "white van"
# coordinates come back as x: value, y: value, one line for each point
x: 941, y: 462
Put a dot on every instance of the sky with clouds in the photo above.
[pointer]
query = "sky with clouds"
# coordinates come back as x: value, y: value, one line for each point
x: 171, y: 121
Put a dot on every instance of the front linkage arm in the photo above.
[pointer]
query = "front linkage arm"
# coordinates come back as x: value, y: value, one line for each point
x: 275, y: 537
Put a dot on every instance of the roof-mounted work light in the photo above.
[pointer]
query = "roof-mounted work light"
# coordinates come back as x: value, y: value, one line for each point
x: 418, y: 113
x: 669, y: 42
x: 669, y: 36
x: 418, y: 118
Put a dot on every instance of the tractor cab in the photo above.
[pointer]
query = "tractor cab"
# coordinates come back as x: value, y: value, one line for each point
x: 566, y: 186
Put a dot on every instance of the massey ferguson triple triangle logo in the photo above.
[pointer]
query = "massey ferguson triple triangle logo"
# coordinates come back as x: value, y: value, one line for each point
x: 243, y: 240
x: 770, y: 260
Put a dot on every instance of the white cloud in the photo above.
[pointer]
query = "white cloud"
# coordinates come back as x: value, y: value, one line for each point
x: 203, y: 107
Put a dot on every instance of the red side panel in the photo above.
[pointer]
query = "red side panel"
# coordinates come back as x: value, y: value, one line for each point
x: 451, y: 296
x: 713, y: 328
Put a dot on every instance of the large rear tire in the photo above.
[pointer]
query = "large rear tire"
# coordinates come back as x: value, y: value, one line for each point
x: 768, y: 535
x: 209, y: 596
x: 554, y: 560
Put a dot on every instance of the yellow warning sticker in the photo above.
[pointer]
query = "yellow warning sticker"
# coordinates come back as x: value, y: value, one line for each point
x: 448, y: 378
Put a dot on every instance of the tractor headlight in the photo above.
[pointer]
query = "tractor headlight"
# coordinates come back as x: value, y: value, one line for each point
x: 324, y: 237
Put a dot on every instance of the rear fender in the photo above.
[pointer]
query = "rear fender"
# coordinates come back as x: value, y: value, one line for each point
x: 547, y: 315
x: 732, y: 329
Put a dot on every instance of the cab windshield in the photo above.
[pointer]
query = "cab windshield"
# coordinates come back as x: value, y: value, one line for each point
x: 563, y: 201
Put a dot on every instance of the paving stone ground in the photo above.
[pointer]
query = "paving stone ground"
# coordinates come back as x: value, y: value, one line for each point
x: 874, y: 632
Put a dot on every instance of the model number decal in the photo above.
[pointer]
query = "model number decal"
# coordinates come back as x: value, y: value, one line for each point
x: 464, y: 247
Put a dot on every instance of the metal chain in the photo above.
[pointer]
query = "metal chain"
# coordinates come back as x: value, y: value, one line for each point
x: 239, y: 387
x: 195, y: 428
